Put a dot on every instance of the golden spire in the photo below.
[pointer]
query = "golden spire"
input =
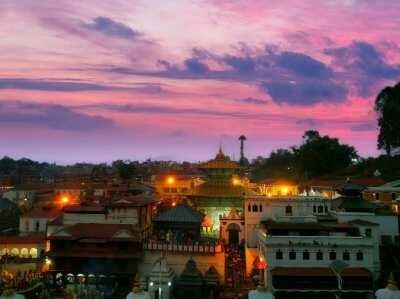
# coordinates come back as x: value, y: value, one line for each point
x: 137, y: 288
x: 392, y: 283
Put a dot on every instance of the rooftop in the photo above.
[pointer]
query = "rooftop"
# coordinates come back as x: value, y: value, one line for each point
x: 180, y: 213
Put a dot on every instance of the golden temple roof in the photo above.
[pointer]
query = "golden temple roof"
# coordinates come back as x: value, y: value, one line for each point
x: 211, y: 190
x: 221, y: 161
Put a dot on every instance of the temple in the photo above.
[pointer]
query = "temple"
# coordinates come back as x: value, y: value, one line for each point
x: 221, y: 193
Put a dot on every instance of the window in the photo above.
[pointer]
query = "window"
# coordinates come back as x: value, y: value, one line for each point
x: 346, y: 256
x: 326, y: 209
x: 394, y: 196
x: 359, y: 256
x: 288, y: 211
x: 184, y: 190
x: 260, y: 208
x: 255, y: 208
x: 37, y: 226
x: 368, y: 233
x: 320, y: 255
x: 279, y: 255
x: 166, y: 190
x: 174, y: 190
x: 314, y: 209
x: 306, y: 255
x: 376, y: 196
x: 249, y: 208
x: 332, y: 255
x: 320, y: 209
x: 292, y: 255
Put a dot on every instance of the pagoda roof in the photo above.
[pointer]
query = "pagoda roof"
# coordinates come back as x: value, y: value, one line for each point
x: 191, y: 275
x: 354, y: 204
x: 210, y: 189
x: 211, y: 276
x: 221, y: 161
x: 180, y: 213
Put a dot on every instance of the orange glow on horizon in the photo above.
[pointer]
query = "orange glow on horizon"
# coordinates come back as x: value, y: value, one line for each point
x: 170, y: 180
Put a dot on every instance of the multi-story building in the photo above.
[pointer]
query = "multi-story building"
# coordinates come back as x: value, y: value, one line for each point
x: 322, y: 259
x: 259, y: 208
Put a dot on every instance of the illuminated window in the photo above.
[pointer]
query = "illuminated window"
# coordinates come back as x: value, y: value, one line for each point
x: 279, y: 255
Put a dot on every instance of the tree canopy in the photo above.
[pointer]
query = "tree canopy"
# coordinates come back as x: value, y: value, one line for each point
x: 316, y: 156
x: 387, y: 105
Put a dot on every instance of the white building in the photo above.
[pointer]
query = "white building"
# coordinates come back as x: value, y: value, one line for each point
x: 259, y: 208
x: 331, y: 256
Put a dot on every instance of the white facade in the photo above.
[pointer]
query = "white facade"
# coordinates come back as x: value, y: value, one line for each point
x: 318, y: 251
x: 388, y: 224
x: 259, y: 208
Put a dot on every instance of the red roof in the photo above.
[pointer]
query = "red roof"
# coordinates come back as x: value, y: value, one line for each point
x: 50, y: 213
x: 358, y: 272
x: 98, y: 253
x: 94, y: 231
x: 133, y: 201
x: 332, y: 183
x: 302, y: 271
x: 84, y: 209
x: 33, y: 239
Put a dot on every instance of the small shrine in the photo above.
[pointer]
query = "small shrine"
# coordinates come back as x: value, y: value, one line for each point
x: 190, y: 284
x: 350, y: 199
x: 161, y: 280
x: 232, y: 227
x: 211, y: 281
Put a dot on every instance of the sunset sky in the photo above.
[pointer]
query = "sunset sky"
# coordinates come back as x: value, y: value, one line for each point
x: 174, y: 79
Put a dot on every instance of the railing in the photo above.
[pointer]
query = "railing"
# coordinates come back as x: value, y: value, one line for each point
x: 207, y: 249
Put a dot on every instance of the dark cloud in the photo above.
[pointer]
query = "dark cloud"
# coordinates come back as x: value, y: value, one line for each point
x: 303, y: 65
x: 289, y: 77
x: 305, y: 92
x: 70, y: 86
x: 110, y: 27
x: 241, y: 64
x: 251, y: 100
x: 365, y: 64
x: 367, y: 126
x: 53, y: 116
x: 195, y: 66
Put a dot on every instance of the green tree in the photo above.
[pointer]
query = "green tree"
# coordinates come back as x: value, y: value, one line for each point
x: 126, y: 169
x: 387, y: 105
x: 320, y: 155
x: 279, y: 164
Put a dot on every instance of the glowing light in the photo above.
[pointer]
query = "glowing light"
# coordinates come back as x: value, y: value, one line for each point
x: 47, y: 261
x: 64, y: 200
x: 174, y: 204
x: 169, y: 283
x: 235, y: 181
x: 170, y: 180
x: 151, y: 283
x: 284, y: 190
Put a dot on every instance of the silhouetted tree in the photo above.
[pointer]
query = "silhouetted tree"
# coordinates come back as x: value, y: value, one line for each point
x: 320, y: 155
x: 387, y: 105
